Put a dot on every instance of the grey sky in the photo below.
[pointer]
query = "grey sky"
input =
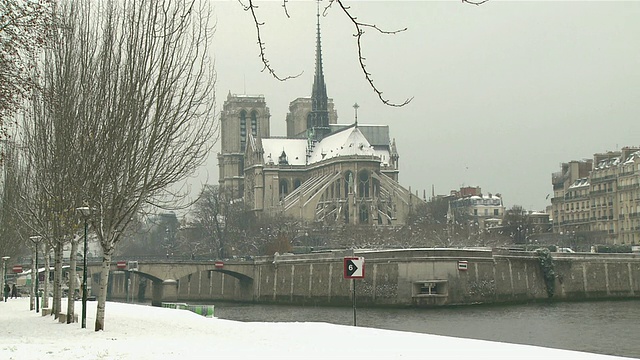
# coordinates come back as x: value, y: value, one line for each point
x: 503, y: 92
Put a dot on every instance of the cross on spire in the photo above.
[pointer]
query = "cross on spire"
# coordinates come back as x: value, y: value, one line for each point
x: 355, y: 107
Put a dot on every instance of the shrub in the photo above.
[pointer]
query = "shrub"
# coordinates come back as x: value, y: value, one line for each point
x: 548, y: 271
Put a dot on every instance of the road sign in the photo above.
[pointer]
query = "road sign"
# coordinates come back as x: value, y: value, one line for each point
x: 17, y: 269
x: 353, y: 267
x: 218, y: 264
x: 462, y: 265
x: 121, y: 265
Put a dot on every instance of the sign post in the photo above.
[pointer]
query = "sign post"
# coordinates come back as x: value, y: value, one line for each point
x: 354, y: 269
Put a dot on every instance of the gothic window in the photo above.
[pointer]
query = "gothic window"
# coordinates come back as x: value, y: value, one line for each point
x: 243, y: 129
x: 284, y: 188
x: 296, y: 183
x: 364, y: 214
x: 254, y: 123
x: 363, y: 184
x: 309, y: 121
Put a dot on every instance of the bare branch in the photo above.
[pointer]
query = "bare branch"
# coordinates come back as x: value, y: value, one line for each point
x: 359, y: 32
x: 480, y: 2
x: 284, y: 6
x: 263, y: 57
x: 358, y: 35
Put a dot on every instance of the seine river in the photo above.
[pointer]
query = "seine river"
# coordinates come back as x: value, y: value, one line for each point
x: 605, y: 327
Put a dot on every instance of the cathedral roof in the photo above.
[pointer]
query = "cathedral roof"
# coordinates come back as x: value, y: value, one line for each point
x: 377, y: 135
x: 294, y: 148
x: 343, y: 143
x: 348, y: 142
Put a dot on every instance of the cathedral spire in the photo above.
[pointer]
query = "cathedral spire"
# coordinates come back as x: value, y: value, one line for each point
x: 319, y: 113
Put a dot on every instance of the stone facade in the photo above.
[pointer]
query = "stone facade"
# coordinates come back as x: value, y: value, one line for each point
x: 409, y: 277
x: 241, y: 115
x: 599, y: 200
x: 321, y: 171
x: 469, y: 204
x: 299, y: 114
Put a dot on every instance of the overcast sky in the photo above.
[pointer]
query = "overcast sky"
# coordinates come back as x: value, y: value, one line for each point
x: 503, y: 93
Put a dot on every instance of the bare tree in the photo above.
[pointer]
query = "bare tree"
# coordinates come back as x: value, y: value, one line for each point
x: 125, y: 111
x: 517, y: 224
x: 51, y: 137
x: 10, y: 188
x: 217, y: 215
x: 23, y: 29
x: 147, y: 111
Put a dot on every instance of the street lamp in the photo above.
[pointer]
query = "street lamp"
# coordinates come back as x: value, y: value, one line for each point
x: 36, y: 240
x: 85, y: 211
x: 4, y: 260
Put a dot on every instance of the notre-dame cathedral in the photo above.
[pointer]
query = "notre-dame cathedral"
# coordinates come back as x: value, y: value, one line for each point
x: 322, y: 171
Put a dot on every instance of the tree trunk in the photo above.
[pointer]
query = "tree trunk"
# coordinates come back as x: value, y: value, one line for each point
x: 34, y: 274
x: 72, y: 281
x: 102, y: 292
x: 47, y: 266
x: 57, y: 280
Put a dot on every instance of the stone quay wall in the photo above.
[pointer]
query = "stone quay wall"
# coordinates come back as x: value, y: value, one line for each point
x: 412, y: 277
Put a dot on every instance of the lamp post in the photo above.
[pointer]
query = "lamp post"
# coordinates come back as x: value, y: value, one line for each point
x: 85, y: 211
x: 36, y: 241
x: 4, y: 260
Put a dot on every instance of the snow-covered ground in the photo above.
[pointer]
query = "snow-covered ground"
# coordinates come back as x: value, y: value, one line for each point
x: 143, y: 332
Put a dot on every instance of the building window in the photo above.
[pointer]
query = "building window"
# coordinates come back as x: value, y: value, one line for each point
x: 284, y: 188
x: 363, y: 184
x: 254, y: 123
x: 364, y: 214
x: 243, y: 129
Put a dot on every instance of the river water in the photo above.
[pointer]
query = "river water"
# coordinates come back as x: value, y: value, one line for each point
x: 605, y: 327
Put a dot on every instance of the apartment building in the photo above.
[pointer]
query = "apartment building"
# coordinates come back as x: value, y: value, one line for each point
x: 469, y: 203
x: 598, y: 200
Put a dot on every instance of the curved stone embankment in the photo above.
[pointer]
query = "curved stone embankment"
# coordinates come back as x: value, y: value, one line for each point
x: 412, y: 277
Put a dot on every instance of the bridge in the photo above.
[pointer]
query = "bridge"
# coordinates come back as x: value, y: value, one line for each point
x: 165, y: 274
x: 401, y: 277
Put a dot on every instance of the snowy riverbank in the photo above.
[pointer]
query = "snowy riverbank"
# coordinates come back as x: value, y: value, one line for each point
x: 143, y: 332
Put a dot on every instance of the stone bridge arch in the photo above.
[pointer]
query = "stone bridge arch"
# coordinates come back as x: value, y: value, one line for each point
x: 165, y: 275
